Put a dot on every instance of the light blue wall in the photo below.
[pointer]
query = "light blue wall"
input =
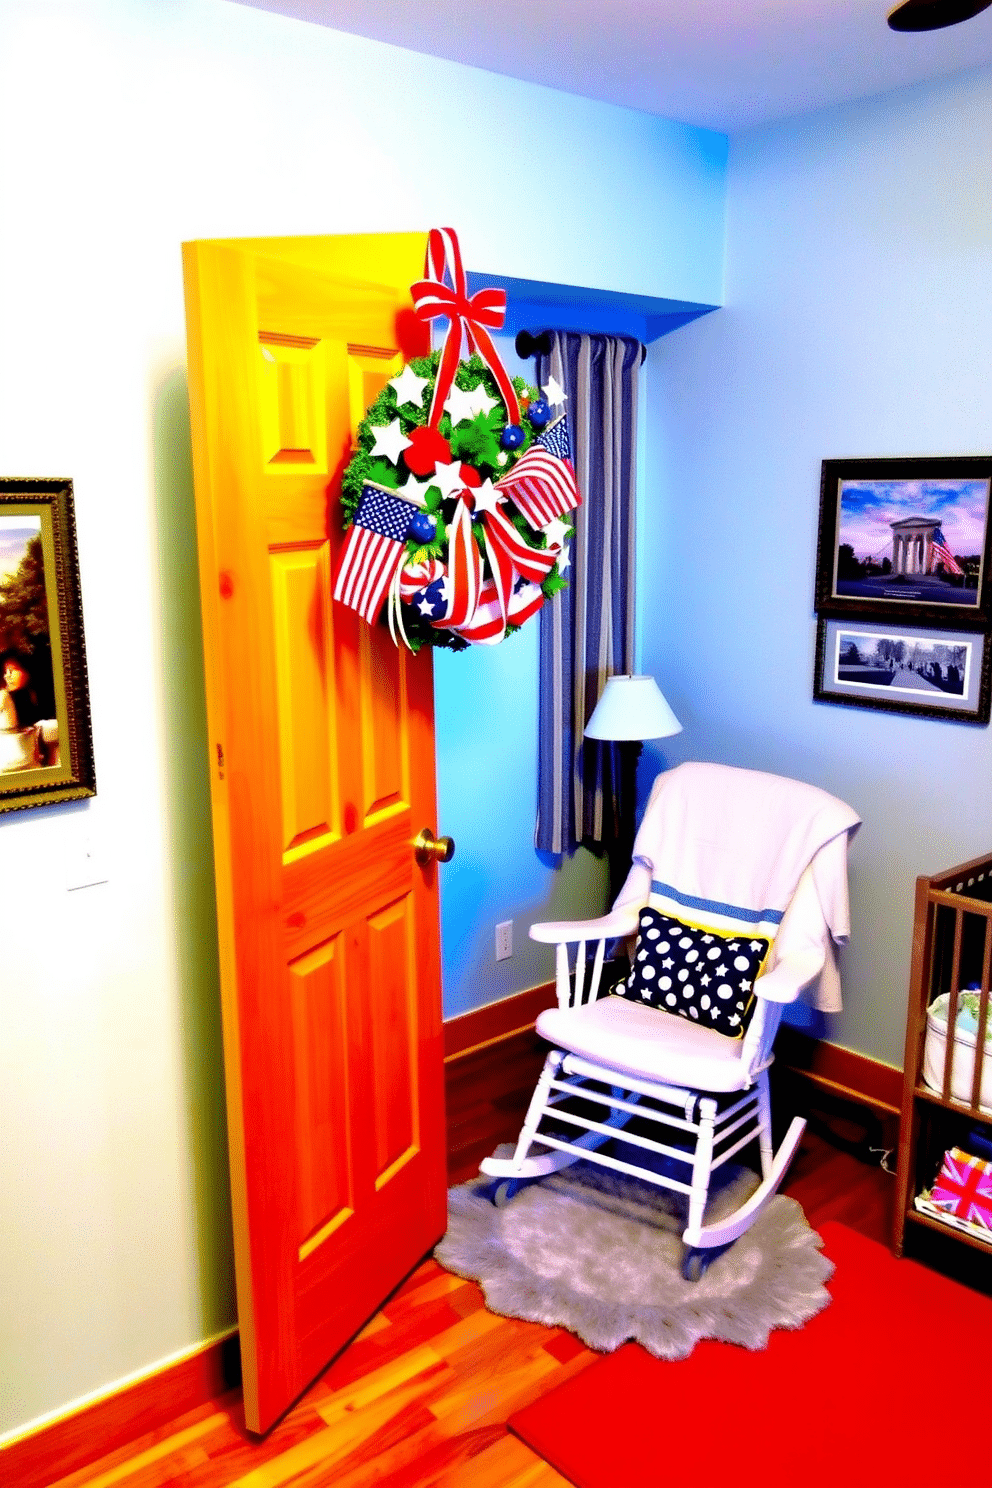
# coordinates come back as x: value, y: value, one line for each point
x: 485, y: 728
x: 486, y: 742
x: 858, y: 322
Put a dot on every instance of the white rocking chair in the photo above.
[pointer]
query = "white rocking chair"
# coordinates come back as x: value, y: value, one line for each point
x: 615, y: 1060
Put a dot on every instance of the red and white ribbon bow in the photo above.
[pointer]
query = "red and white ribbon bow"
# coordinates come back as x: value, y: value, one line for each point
x: 464, y: 570
x: 487, y: 626
x: 510, y: 558
x: 475, y: 316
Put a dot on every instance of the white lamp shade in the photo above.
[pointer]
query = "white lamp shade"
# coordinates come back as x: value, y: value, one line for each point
x: 632, y: 708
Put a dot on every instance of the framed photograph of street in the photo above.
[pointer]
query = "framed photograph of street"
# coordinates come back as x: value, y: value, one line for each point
x: 46, y: 749
x: 903, y: 669
x: 906, y: 536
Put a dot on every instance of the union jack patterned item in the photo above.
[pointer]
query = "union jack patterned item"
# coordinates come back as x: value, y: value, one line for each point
x: 964, y: 1188
x: 542, y: 483
x: 941, y: 553
x: 374, y: 550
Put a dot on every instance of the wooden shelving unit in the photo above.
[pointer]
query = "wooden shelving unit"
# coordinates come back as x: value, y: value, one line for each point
x: 952, y: 948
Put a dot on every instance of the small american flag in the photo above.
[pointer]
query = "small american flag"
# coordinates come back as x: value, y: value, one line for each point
x: 374, y: 549
x: 542, y: 483
x: 941, y: 553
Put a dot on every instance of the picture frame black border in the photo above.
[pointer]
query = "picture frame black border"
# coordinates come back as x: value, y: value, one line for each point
x: 980, y: 717
x: 57, y: 494
x: 931, y: 616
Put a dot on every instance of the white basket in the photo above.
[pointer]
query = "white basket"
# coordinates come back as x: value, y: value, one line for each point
x: 963, y: 1065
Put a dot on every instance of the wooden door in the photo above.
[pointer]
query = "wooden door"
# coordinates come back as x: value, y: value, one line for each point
x: 322, y: 764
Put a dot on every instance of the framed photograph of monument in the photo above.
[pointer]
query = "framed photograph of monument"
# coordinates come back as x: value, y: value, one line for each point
x: 46, y: 750
x: 903, y: 669
x: 908, y: 537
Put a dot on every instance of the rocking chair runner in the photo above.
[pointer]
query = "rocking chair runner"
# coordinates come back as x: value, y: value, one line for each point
x: 731, y: 867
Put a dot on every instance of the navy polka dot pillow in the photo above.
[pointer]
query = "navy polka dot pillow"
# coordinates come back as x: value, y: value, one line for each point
x: 697, y: 973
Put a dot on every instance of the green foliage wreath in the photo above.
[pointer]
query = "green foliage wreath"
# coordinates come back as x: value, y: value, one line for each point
x: 474, y: 442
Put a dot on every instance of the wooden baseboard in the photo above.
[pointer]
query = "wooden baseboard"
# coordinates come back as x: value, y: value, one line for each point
x: 840, y: 1072
x: 492, y: 1059
x: 81, y: 1436
x: 843, y: 1072
x: 496, y: 1021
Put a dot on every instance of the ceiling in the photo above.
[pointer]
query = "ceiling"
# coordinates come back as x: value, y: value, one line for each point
x: 722, y: 64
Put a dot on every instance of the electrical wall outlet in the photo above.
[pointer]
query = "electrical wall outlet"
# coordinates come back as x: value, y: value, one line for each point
x: 504, y: 940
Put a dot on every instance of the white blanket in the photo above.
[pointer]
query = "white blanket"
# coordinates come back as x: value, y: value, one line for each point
x: 744, y: 839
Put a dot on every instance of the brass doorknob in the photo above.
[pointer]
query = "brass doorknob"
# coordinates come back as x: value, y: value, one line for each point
x: 427, y: 847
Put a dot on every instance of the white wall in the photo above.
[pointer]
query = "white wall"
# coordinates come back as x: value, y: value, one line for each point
x: 858, y: 322
x: 127, y: 127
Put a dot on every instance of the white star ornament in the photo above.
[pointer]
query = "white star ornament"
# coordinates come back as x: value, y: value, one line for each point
x: 389, y: 440
x: 486, y: 496
x: 448, y: 478
x: 554, y: 392
x: 409, y: 388
x: 416, y: 491
x: 459, y: 405
x: 481, y: 401
x: 556, y: 531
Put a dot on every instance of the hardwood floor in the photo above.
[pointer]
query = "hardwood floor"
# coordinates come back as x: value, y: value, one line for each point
x: 421, y: 1397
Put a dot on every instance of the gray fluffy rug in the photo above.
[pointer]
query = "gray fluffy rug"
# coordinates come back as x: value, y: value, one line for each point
x: 599, y: 1253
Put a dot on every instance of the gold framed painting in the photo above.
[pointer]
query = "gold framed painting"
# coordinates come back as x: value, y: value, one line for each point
x: 46, y: 745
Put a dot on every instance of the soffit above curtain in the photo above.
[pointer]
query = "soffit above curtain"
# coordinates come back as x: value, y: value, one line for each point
x: 534, y: 302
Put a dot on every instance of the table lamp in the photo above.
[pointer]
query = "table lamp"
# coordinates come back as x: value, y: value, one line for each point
x: 629, y: 710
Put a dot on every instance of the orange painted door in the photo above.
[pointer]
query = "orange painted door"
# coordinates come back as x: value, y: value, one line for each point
x: 322, y: 761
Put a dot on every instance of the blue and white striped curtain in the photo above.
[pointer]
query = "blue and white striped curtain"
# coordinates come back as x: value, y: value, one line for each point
x: 587, y: 630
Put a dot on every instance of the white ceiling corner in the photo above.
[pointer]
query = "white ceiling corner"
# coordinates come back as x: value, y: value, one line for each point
x: 720, y: 64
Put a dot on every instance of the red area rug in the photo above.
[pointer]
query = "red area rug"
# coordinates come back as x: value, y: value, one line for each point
x: 889, y: 1385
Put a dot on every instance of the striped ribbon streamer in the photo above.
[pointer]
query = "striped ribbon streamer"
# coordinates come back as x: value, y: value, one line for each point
x: 471, y: 317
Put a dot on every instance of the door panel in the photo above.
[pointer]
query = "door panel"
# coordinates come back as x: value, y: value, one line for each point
x: 385, y: 751
x: 291, y: 403
x: 320, y: 1038
x: 322, y: 757
x: 301, y: 605
x: 392, y: 969
x: 369, y: 369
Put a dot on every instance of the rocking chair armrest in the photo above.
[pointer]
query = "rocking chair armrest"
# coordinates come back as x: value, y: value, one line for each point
x: 791, y: 974
x: 618, y: 924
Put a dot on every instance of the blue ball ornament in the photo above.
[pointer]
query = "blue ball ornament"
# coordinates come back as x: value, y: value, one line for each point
x: 422, y: 528
x: 436, y: 597
x: 512, y: 437
x: 539, y: 413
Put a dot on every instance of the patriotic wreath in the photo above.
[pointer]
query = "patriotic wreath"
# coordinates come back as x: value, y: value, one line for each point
x: 455, y: 500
